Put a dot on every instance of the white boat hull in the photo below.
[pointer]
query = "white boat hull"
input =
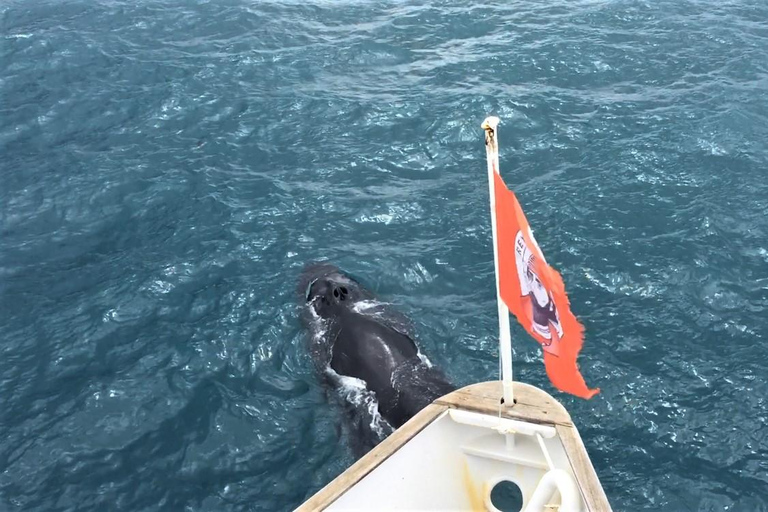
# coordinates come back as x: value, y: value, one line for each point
x: 453, y: 453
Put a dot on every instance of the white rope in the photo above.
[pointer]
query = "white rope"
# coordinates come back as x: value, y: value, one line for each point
x: 545, y: 451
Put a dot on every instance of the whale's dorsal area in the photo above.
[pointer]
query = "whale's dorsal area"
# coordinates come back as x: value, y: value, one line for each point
x: 356, y: 336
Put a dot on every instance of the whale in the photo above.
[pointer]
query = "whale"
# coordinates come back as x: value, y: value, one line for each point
x: 355, y: 337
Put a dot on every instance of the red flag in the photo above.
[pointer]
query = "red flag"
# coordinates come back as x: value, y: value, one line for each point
x: 535, y: 293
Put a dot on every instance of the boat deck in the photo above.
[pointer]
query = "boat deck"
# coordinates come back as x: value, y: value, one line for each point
x: 531, y: 405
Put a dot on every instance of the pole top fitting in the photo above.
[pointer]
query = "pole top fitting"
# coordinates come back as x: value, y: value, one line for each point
x: 490, y: 123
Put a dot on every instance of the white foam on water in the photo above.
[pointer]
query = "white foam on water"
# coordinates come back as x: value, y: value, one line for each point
x: 364, y: 305
x: 424, y: 358
x: 356, y: 392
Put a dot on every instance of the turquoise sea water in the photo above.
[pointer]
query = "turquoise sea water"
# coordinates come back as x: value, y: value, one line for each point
x: 166, y: 169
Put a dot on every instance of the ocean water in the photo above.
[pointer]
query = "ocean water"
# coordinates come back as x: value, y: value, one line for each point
x: 167, y: 168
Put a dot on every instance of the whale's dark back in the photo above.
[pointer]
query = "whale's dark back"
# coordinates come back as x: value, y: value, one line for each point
x: 366, y: 343
x: 384, y: 349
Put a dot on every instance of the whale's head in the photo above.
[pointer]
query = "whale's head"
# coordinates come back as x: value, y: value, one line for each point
x: 331, y: 294
x: 327, y: 291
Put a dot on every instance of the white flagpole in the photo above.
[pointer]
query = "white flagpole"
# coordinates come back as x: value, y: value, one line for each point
x: 505, y: 334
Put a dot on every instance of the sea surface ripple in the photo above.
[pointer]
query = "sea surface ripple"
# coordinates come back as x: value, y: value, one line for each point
x: 166, y: 169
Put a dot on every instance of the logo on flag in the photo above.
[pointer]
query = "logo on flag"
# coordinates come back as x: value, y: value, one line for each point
x: 540, y: 310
